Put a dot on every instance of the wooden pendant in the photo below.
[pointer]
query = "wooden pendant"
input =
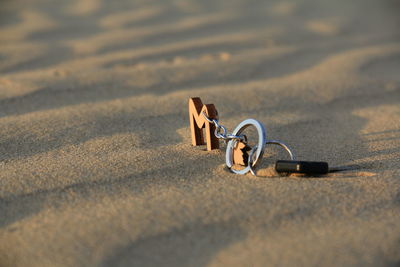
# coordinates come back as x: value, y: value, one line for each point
x: 240, y: 154
x: 198, y: 122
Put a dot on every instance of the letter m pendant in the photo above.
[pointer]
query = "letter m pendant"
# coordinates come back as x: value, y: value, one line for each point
x: 198, y: 122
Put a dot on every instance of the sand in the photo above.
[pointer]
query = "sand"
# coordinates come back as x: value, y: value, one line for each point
x: 96, y: 165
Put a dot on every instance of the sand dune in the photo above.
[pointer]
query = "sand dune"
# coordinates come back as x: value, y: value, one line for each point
x: 96, y: 166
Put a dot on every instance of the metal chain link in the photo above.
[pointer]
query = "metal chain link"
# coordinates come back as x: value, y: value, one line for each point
x: 221, y: 132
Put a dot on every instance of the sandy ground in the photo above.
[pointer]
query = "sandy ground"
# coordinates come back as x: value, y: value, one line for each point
x: 96, y: 166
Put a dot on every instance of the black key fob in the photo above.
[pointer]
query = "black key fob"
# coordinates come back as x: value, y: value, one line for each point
x: 309, y: 167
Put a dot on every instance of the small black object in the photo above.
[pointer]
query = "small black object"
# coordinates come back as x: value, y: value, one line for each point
x: 309, y: 167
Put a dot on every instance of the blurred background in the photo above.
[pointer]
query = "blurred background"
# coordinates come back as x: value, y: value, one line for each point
x: 42, y: 34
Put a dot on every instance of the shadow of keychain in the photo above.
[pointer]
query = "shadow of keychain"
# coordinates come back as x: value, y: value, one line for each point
x: 238, y: 152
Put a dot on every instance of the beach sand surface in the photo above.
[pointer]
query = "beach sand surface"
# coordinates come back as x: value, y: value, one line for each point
x: 96, y: 162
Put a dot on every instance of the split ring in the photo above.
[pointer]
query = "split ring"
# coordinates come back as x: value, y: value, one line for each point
x: 273, y: 142
x: 258, y: 149
x: 256, y: 152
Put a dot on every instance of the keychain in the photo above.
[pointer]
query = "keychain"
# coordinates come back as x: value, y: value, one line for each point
x: 238, y: 152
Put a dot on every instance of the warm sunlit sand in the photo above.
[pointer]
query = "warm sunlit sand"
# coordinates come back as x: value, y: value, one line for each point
x: 96, y: 165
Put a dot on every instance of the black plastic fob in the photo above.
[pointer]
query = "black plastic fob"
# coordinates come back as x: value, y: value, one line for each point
x: 308, y: 167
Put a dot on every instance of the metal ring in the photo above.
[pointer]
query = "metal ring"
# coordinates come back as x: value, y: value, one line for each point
x: 279, y: 143
x: 217, y: 132
x: 250, y: 161
x: 259, y: 149
x: 273, y: 142
x: 207, y: 118
x: 240, y: 137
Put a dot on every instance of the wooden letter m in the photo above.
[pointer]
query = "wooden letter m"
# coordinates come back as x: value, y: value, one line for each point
x: 198, y: 122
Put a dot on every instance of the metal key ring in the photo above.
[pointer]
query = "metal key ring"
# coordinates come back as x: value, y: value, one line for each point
x: 258, y: 149
x: 272, y: 142
x: 279, y: 143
